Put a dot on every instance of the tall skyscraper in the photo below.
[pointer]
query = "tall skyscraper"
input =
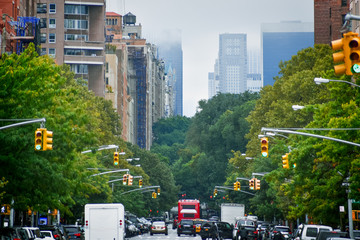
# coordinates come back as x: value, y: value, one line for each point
x: 171, y: 51
x: 232, y: 63
x: 280, y: 41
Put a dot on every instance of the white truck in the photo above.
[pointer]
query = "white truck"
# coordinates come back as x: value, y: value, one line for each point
x: 230, y: 211
x: 104, y: 221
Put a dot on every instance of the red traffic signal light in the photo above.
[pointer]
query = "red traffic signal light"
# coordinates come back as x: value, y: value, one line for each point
x: 264, y: 147
x: 124, y: 179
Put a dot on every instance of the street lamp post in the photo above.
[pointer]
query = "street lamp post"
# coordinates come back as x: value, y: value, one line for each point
x: 324, y: 80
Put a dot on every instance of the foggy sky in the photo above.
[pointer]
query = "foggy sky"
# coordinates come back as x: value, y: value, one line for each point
x: 201, y: 22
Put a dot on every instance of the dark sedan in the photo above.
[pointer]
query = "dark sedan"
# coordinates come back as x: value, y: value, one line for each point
x: 186, y: 226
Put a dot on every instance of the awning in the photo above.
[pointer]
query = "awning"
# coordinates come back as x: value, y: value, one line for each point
x: 188, y: 211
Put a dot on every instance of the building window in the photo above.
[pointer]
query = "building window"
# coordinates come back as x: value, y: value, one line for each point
x: 41, y: 8
x: 76, y: 9
x: 75, y: 24
x: 52, y: 38
x: 76, y: 37
x: 43, y: 52
x: 52, y: 23
x: 42, y: 22
x: 43, y: 38
x: 343, y: 3
x: 52, y: 8
x: 52, y: 52
x: 107, y: 67
x: 79, y: 68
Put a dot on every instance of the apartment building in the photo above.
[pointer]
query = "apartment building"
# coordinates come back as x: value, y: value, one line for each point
x: 72, y: 32
x: 328, y: 19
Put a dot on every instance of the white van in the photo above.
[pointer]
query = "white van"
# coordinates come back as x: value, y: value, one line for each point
x: 309, y: 231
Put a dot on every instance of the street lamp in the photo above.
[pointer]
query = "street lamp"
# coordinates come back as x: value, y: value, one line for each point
x: 297, y: 107
x: 324, y: 80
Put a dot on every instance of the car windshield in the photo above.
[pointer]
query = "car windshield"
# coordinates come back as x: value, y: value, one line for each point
x: 46, y: 234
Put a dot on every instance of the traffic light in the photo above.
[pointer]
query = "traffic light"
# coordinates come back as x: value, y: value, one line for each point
x: 116, y: 158
x: 124, y: 179
x: 257, y: 184
x: 130, y: 180
x: 354, y: 46
x: 251, y: 184
x: 215, y: 192
x: 285, y: 161
x: 349, y: 56
x: 47, y: 140
x: 140, y: 183
x: 158, y: 191
x: 264, y: 147
x: 235, y: 186
x: 238, y: 185
x: 153, y: 194
x: 39, y: 139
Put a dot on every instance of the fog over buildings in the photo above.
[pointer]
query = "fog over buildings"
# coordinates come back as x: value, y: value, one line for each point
x: 200, y: 23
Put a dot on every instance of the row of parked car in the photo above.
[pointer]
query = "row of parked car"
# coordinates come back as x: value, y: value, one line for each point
x: 64, y: 232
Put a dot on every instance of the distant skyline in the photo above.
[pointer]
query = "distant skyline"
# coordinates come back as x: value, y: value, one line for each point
x: 200, y: 23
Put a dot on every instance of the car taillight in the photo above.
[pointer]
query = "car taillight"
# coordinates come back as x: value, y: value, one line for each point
x: 256, y: 232
x: 56, y: 236
x: 77, y: 234
x: 194, y: 226
x: 16, y: 239
x: 275, y: 231
x: 289, y: 232
x: 179, y: 225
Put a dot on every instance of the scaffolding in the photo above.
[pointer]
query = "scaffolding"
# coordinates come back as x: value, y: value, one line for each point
x: 139, y: 64
x: 27, y: 31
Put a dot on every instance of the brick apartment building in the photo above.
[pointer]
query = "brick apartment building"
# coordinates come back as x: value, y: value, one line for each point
x: 328, y: 19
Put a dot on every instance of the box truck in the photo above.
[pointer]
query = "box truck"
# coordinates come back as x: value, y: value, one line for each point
x: 104, y: 221
x: 229, y: 212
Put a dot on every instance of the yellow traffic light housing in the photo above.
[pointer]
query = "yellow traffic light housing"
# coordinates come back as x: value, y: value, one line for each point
x: 140, y: 183
x: 39, y: 139
x: 238, y: 185
x: 116, y: 158
x: 257, y: 184
x: 285, y: 161
x: 130, y: 177
x: 158, y: 191
x: 349, y: 57
x: 215, y: 192
x: 154, y: 195
x: 235, y: 186
x: 47, y: 137
x: 251, y: 184
x: 264, y: 147
x: 124, y: 179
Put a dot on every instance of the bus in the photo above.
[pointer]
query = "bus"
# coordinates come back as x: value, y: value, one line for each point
x: 188, y: 209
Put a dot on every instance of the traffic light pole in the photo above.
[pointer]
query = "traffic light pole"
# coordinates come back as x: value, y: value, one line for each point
x: 230, y: 188
x: 309, y: 135
x: 144, y: 189
x: 104, y: 147
x: 328, y: 138
x: 41, y: 120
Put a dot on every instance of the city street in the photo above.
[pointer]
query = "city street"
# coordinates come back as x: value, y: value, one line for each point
x: 172, y: 235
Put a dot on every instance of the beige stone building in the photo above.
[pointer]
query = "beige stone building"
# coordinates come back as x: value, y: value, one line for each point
x: 72, y: 32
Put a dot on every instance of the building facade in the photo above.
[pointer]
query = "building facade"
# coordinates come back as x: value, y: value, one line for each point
x: 72, y: 32
x: 329, y: 19
x: 232, y: 63
x: 279, y: 42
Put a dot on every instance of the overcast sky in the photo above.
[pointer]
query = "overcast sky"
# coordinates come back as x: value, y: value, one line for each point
x: 201, y: 22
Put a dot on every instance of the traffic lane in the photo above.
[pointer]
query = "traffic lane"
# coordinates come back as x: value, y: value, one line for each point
x: 172, y: 234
